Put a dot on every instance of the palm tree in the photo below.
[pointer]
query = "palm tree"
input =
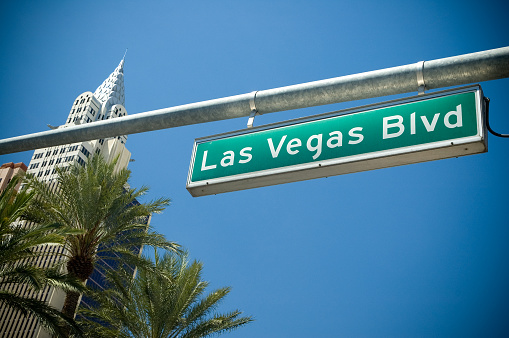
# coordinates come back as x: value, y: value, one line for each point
x: 166, y: 304
x: 19, y: 246
x: 96, y: 200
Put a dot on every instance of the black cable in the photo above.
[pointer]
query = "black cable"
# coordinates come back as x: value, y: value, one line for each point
x: 488, y: 119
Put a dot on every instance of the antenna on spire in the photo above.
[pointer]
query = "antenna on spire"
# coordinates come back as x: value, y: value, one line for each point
x: 125, y: 53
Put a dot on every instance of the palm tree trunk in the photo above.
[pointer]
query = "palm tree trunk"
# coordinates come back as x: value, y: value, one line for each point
x: 82, y: 268
x: 71, y: 303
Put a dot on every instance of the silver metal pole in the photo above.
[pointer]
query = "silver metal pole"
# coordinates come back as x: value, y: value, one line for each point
x: 457, y: 70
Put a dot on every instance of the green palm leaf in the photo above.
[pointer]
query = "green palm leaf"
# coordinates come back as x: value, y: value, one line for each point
x: 96, y: 202
x: 170, y: 303
x: 19, y: 246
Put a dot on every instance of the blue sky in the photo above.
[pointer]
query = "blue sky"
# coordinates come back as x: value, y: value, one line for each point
x: 413, y: 251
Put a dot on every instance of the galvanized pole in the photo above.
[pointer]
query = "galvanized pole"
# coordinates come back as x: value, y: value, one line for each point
x: 457, y: 70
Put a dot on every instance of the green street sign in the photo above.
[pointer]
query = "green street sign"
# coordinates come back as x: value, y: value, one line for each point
x: 420, y: 128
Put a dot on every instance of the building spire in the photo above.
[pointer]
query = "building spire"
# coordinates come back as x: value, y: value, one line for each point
x: 111, y: 91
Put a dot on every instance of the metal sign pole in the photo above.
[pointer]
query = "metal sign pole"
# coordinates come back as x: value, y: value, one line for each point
x: 457, y: 70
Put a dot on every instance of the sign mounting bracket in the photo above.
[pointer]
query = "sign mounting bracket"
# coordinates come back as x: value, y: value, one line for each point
x: 254, y: 111
x: 421, y: 86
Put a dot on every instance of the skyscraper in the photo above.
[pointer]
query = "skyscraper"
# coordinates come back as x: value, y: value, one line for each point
x: 106, y: 102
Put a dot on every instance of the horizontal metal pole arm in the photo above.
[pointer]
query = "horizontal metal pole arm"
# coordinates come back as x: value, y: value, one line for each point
x: 194, y: 113
x: 452, y: 71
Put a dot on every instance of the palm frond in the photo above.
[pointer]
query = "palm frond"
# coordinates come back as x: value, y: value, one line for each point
x: 52, y: 319
x: 165, y: 302
x: 20, y: 246
x: 100, y: 215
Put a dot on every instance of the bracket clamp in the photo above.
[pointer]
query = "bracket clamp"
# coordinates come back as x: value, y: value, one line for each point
x: 421, y: 86
x: 254, y: 111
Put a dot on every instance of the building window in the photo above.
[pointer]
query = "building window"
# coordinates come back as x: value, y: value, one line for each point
x: 48, y: 153
x: 84, y: 151
x: 44, y: 163
x: 81, y: 161
x: 62, y: 150
x: 75, y: 103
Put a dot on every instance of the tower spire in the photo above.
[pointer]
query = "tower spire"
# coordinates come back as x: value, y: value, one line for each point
x: 111, y: 91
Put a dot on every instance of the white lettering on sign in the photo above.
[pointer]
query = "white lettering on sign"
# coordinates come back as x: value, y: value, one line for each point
x: 430, y: 126
x: 317, y: 147
x: 228, y: 159
x: 459, y: 118
x: 294, y: 143
x: 314, y: 143
x: 248, y: 156
x: 353, y: 133
x: 398, y: 124
x: 393, y: 125
x: 336, y: 140
x: 203, y: 165
x: 275, y: 153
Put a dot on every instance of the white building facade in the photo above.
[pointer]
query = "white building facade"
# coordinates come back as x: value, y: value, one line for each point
x: 106, y: 102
